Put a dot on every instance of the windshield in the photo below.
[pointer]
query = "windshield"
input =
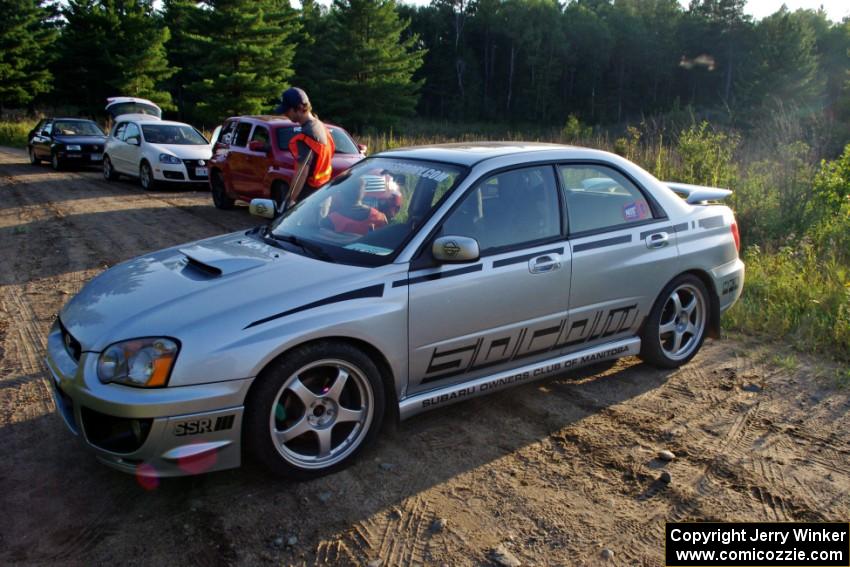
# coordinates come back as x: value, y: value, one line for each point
x: 121, y: 108
x: 343, y: 144
x: 173, y: 134
x: 365, y: 215
x: 76, y: 128
x: 342, y: 141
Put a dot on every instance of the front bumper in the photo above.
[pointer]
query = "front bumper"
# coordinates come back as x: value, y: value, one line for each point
x: 156, y: 432
x: 189, y: 171
x: 82, y: 158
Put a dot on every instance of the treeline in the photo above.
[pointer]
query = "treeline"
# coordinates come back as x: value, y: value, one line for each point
x: 371, y: 63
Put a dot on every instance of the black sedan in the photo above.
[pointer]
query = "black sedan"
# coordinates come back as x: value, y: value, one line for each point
x: 65, y: 141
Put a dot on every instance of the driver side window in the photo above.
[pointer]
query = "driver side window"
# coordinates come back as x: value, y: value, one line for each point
x: 131, y: 132
x: 509, y: 210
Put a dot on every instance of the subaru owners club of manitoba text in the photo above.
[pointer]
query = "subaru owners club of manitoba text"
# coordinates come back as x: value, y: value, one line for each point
x: 757, y: 544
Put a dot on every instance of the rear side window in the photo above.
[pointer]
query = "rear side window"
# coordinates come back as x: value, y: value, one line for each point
x: 600, y: 198
x: 260, y: 134
x: 226, y: 134
x: 242, y: 133
x: 284, y: 135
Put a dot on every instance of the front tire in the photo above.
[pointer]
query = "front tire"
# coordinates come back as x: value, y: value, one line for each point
x: 219, y: 192
x: 312, y: 411
x: 146, y: 179
x: 109, y: 172
x: 33, y: 159
x: 55, y: 162
x: 675, y: 329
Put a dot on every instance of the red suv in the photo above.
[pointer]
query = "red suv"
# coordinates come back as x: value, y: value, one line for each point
x: 251, y: 158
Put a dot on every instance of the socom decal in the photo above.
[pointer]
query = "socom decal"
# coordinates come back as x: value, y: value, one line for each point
x: 527, y: 341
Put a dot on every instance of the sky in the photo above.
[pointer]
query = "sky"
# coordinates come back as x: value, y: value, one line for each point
x: 836, y: 10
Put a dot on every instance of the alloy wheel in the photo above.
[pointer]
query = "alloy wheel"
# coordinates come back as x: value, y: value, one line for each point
x: 321, y: 414
x: 683, y: 321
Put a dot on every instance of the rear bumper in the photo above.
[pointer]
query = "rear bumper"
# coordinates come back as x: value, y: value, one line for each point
x: 155, y: 433
x: 729, y: 283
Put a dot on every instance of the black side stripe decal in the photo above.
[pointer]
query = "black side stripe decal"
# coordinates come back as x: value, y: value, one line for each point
x: 525, y: 257
x: 439, y: 275
x: 711, y: 222
x: 602, y: 243
x: 681, y: 227
x: 371, y: 291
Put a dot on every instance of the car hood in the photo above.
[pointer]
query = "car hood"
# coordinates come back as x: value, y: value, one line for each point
x: 233, y: 280
x: 80, y: 139
x: 341, y: 162
x: 183, y: 151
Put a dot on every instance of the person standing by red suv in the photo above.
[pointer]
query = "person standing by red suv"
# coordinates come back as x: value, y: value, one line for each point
x: 312, y: 147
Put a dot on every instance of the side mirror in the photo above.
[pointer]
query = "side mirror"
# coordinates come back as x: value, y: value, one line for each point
x: 455, y: 249
x: 262, y: 208
x: 258, y: 146
x: 134, y: 141
x: 362, y: 148
x: 45, y: 133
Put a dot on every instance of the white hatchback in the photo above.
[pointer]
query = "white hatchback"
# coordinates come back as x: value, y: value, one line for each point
x: 156, y: 151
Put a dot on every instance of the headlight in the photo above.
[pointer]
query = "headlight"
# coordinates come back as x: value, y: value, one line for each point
x: 165, y: 158
x: 139, y: 362
x: 72, y: 148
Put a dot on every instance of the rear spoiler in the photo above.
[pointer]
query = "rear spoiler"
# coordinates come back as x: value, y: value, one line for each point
x: 697, y: 194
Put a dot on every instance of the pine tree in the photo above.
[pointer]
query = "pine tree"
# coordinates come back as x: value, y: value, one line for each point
x: 370, y: 81
x: 248, y: 52
x: 110, y: 48
x: 26, y: 38
x: 186, y: 23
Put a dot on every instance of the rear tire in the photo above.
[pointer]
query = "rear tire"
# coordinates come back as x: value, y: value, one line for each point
x: 676, y: 327
x: 313, y: 410
x: 219, y: 192
x: 109, y: 172
x: 146, y: 179
x: 33, y: 159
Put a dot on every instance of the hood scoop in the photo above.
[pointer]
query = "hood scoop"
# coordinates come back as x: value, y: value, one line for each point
x: 207, y: 263
x: 205, y: 269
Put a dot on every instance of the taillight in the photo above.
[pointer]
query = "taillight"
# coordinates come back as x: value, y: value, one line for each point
x: 736, y: 235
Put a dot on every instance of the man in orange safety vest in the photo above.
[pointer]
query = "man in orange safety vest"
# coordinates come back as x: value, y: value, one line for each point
x: 312, y: 146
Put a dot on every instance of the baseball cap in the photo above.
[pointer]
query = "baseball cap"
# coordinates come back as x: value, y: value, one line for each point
x: 291, y: 98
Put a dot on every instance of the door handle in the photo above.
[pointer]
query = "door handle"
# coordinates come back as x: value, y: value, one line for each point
x: 657, y: 240
x: 543, y: 264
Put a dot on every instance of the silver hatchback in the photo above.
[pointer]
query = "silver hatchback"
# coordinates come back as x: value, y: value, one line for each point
x: 499, y: 264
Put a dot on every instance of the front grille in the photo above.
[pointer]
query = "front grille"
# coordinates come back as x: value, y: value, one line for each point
x: 94, y: 148
x: 115, y: 434
x: 72, y: 345
x: 191, y: 164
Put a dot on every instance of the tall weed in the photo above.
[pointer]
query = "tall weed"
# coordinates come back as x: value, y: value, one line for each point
x: 14, y: 134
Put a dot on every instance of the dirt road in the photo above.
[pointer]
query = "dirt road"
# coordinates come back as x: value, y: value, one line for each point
x: 553, y: 472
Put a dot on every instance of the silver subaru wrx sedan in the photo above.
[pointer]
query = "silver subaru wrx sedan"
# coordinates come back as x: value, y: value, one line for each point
x: 497, y: 264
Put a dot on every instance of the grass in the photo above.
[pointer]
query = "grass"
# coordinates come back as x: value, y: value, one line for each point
x: 797, y: 294
x: 14, y: 133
